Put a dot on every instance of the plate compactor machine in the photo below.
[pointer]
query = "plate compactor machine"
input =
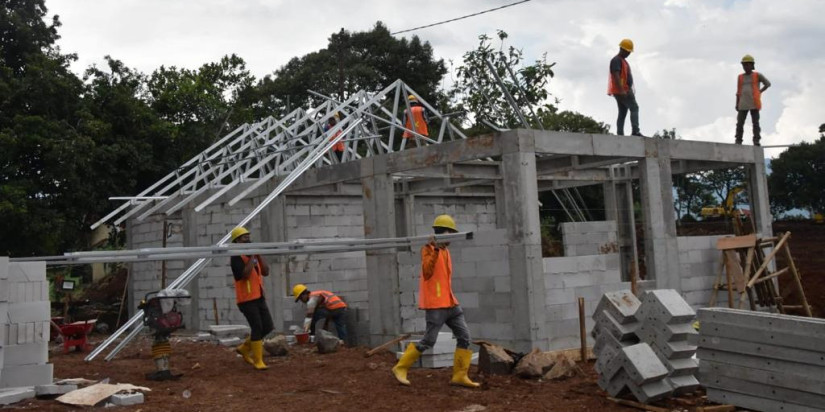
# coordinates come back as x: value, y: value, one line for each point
x: 161, y: 313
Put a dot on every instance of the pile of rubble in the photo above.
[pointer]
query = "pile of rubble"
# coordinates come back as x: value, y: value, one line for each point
x: 645, y: 347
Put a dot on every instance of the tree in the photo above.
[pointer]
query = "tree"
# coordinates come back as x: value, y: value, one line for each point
x: 692, y: 193
x: 797, y: 178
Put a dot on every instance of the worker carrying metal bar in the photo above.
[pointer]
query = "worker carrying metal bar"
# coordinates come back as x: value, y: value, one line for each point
x: 620, y: 86
x: 749, y: 98
x: 416, y: 122
x: 249, y: 293
x: 441, y: 307
x: 322, y: 304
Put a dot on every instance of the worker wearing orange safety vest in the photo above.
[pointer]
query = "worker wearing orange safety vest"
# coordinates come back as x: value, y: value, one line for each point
x: 248, y: 272
x: 749, y: 99
x: 441, y: 307
x: 620, y: 86
x: 418, y: 121
x: 337, y: 148
x: 322, y: 304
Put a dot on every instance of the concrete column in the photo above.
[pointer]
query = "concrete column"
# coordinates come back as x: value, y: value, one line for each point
x: 661, y: 251
x: 131, y: 301
x: 273, y: 229
x: 382, y: 265
x: 521, y: 215
x: 610, y: 206
x: 758, y: 194
x: 190, y: 238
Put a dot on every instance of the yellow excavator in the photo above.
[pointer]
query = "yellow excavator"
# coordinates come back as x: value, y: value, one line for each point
x: 725, y: 210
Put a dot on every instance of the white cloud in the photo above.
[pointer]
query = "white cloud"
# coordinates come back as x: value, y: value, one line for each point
x: 686, y: 59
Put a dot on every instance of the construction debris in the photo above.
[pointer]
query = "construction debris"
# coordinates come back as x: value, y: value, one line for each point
x: 386, y: 345
x: 53, y: 389
x: 127, y: 399
x: 13, y: 395
x: 763, y: 361
x: 563, y: 368
x: 494, y: 360
x: 534, y: 365
x: 276, y: 345
x: 97, y: 393
x: 326, y: 341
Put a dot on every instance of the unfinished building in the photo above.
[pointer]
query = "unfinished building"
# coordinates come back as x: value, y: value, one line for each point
x: 490, y: 184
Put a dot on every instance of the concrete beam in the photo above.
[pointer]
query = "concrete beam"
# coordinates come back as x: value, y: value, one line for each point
x: 661, y: 251
x: 274, y: 229
x: 758, y: 194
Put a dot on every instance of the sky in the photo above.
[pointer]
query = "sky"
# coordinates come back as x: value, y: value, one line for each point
x: 686, y: 58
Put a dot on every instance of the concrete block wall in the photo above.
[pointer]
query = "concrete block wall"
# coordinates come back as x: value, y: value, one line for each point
x: 145, y: 277
x: 590, y: 238
x: 481, y: 282
x: 473, y: 214
x: 25, y: 312
x: 568, y: 278
x: 699, y: 262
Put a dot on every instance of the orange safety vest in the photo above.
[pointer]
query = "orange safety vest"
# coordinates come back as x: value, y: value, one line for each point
x: 622, y: 87
x: 757, y: 95
x: 337, y: 147
x: 252, y: 287
x: 420, y: 123
x: 331, y: 300
x: 437, y: 291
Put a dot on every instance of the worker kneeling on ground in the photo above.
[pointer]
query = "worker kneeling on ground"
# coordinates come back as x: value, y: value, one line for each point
x: 322, y: 304
x: 441, y: 307
x: 249, y: 293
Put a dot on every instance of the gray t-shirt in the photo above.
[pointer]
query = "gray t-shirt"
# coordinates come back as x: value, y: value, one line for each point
x: 746, y: 101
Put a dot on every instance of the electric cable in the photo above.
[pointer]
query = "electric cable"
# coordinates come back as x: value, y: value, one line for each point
x: 461, y: 18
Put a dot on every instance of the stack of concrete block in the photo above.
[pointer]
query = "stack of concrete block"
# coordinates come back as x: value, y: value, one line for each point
x: 763, y: 361
x: 228, y: 335
x: 440, y: 355
x: 666, y: 325
x: 25, y: 313
x: 699, y: 262
x: 590, y: 238
x: 624, y: 364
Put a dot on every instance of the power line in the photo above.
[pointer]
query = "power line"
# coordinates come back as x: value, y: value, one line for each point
x: 462, y: 17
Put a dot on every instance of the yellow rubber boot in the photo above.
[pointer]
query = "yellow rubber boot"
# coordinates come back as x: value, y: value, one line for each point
x: 246, y: 352
x: 258, y: 354
x: 403, y: 366
x: 461, y: 365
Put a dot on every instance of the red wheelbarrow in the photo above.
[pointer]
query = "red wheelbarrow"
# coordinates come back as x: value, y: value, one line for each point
x: 74, y: 334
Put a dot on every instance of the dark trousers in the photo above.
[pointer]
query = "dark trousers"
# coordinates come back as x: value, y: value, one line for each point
x: 257, y: 314
x: 338, y: 316
x: 627, y: 102
x: 740, y: 125
x: 454, y: 319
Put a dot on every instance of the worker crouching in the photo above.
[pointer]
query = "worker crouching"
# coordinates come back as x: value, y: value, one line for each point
x: 322, y: 304
x: 441, y: 307
x: 249, y: 293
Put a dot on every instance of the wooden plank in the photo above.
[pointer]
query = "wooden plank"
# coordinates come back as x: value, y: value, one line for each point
x: 717, y: 408
x: 386, y: 345
x: 736, y: 242
x: 733, y: 267
x: 638, y: 405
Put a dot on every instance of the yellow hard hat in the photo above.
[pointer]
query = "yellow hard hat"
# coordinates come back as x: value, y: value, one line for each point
x: 445, y: 221
x: 238, y: 232
x: 412, y: 98
x: 298, y: 289
x: 626, y: 45
x: 747, y: 59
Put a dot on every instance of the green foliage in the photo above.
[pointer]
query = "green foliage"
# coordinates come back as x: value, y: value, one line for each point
x: 666, y: 134
x: 692, y: 193
x: 797, y: 178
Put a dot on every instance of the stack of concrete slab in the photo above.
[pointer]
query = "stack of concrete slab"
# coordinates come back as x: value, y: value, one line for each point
x: 24, y: 326
x: 762, y: 361
x: 624, y: 364
x: 227, y: 335
x: 440, y: 355
x: 666, y: 320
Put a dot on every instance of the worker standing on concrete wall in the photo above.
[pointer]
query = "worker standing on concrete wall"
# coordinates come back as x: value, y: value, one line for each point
x: 620, y: 86
x: 337, y: 148
x: 441, y: 307
x: 749, y: 98
x: 322, y: 304
x: 249, y: 293
x: 416, y: 122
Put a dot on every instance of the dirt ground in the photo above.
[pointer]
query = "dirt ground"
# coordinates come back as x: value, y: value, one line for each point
x: 219, y: 380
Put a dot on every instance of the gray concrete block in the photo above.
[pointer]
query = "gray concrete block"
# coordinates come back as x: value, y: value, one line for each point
x: 230, y: 341
x: 790, y: 379
x: 53, y: 389
x: 606, y: 323
x: 13, y: 395
x: 27, y: 354
x: 653, y: 330
x: 758, y: 362
x: 223, y: 331
x: 674, y: 350
x: 26, y: 375
x: 29, y: 312
x: 683, y: 384
x: 765, y: 351
x: 27, y: 272
x: 680, y: 367
x: 770, y: 391
x: 651, y: 391
x: 642, y: 365
x: 126, y: 399
x: 4, y: 267
x: 667, y: 306
x: 755, y: 402
x: 621, y: 304
x: 801, y: 338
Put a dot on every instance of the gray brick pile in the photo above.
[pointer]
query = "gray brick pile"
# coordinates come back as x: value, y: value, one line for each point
x: 24, y: 326
x: 642, y: 346
x: 763, y: 361
x: 590, y: 238
x: 439, y: 356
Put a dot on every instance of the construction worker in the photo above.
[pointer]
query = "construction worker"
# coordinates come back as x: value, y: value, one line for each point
x: 249, y: 293
x: 337, y: 148
x: 322, y: 304
x: 419, y: 119
x: 441, y: 307
x: 620, y: 86
x: 749, y: 98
